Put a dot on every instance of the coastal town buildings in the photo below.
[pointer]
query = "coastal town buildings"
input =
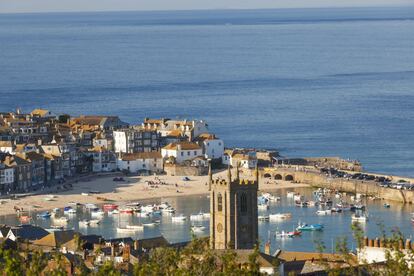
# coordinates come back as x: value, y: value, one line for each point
x: 134, y: 140
x: 166, y: 127
x: 151, y: 162
x: 181, y: 151
x: 245, y: 158
x: 213, y: 147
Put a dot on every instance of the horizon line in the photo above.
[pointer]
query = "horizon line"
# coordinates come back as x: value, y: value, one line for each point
x: 206, y: 9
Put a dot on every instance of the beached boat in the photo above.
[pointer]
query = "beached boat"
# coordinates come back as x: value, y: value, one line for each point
x: 150, y: 224
x: 263, y: 206
x: 178, y: 218
x: 290, y: 194
x: 387, y: 205
x: 84, y: 194
x: 69, y: 210
x: 94, y: 222
x: 143, y: 214
x: 135, y: 227
x: 45, y: 214
x: 299, y: 203
x: 198, y: 228
x: 61, y: 220
x: 298, y: 197
x: 279, y: 216
x: 126, y: 210
x: 110, y: 206
x: 97, y: 212
x: 168, y: 211
x: 113, y: 212
x: 309, y: 227
x: 73, y: 203
x: 197, y: 217
x: 90, y: 206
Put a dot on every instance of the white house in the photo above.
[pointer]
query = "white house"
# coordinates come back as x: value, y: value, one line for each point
x: 141, y: 161
x: 191, y: 129
x: 247, y: 160
x: 182, y: 151
x: 213, y: 147
x: 133, y: 140
x: 6, y: 177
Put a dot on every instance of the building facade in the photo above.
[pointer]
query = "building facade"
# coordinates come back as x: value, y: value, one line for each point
x: 141, y: 161
x: 135, y: 140
x: 182, y: 151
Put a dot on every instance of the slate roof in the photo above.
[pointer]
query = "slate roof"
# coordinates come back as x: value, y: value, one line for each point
x: 29, y: 232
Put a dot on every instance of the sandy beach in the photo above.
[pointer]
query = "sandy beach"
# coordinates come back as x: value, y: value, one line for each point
x: 133, y: 188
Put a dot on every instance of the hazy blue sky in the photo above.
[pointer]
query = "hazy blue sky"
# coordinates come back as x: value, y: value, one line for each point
x: 7, y: 6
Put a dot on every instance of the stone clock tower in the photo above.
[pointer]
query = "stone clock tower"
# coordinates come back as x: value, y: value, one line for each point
x: 233, y: 208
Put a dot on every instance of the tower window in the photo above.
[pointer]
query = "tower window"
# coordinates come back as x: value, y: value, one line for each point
x: 243, y: 203
x: 219, y: 202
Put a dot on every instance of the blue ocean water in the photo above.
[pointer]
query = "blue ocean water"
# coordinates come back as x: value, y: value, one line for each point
x: 309, y: 82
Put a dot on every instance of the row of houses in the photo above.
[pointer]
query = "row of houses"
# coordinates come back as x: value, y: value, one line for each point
x: 42, y: 148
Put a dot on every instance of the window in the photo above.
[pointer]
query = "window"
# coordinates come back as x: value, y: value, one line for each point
x: 195, y: 153
x: 243, y: 203
x: 182, y: 153
x: 219, y: 143
x: 219, y: 203
x: 188, y: 153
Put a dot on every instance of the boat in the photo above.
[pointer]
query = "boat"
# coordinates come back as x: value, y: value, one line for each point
x: 290, y: 234
x: 280, y: 216
x: 359, y: 206
x: 54, y: 228
x: 323, y: 212
x: 198, y: 228
x: 359, y: 218
x: 109, y: 206
x: 126, y: 210
x: 309, y: 227
x: 84, y: 223
x: 149, y: 224
x: 336, y: 210
x: 84, y: 194
x: 48, y: 199
x: 297, y: 197
x: 206, y: 215
x: 69, y: 210
x: 94, y: 221
x: 125, y: 230
x: 270, y: 197
x: 97, y: 212
x: 143, y: 214
x: 90, y: 206
x: 148, y: 208
x: 135, y: 227
x: 179, y: 218
x: 168, y: 210
x: 299, y: 203
x: 61, y: 220
x: 113, y: 212
x: 136, y: 206
x: 73, y: 203
x: 263, y: 206
x: 263, y: 218
x: 387, y: 205
x: 290, y: 194
x: 197, y: 217
x: 55, y: 210
x: 313, y: 203
x: 164, y: 205
x: 45, y: 214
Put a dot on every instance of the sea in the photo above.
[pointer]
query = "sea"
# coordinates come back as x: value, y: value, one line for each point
x: 307, y: 82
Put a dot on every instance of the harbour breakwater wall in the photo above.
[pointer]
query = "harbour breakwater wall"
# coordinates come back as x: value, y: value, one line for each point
x: 314, y: 178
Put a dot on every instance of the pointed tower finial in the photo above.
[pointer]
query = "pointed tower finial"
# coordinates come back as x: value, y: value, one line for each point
x: 257, y: 174
x: 237, y: 171
x: 229, y: 174
x: 210, y: 175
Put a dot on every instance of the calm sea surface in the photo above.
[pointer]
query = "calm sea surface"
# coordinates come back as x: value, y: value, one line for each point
x: 336, y: 82
x: 335, y: 225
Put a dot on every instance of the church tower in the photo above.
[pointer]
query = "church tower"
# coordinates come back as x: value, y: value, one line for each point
x: 233, y: 208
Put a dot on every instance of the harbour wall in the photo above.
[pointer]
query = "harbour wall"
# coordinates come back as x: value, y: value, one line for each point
x: 314, y: 178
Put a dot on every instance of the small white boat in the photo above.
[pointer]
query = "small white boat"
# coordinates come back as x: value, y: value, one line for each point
x: 179, y: 218
x: 290, y: 194
x: 113, y: 212
x: 61, y: 220
x: 323, y: 212
x: 279, y: 216
x: 125, y: 230
x: 148, y: 208
x: 263, y: 218
x: 84, y: 223
x: 164, y: 205
x: 197, y: 217
x: 198, y: 228
x: 94, y: 221
x: 168, y: 211
x: 48, y: 199
x: 90, y: 206
x: 69, y: 211
x: 262, y: 206
x: 135, y: 227
x: 73, y: 203
x: 206, y: 215
x: 84, y: 194
x: 149, y: 224
x: 298, y: 197
x: 97, y: 213
x: 359, y: 218
x: 55, y: 210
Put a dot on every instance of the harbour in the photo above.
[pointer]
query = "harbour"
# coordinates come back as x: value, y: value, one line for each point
x: 335, y: 224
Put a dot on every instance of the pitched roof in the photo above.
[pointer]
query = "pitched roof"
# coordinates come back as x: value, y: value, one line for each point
x: 141, y: 155
x: 206, y: 136
x: 6, y: 144
x: 40, y: 112
x: 183, y: 145
x: 243, y: 255
x: 153, y: 242
x: 55, y: 239
x: 29, y: 232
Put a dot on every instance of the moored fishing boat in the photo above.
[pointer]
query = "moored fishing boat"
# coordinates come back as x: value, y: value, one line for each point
x: 279, y: 216
x: 198, y: 228
x: 263, y: 218
x: 179, y: 218
x: 109, y: 206
x: 135, y: 227
x: 45, y: 214
x: 263, y: 206
x: 359, y: 217
x: 323, y: 212
x: 126, y: 230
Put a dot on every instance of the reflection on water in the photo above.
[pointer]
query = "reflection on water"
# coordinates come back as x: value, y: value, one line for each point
x: 336, y: 225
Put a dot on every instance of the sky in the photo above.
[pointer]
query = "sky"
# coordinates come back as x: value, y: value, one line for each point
x: 14, y: 6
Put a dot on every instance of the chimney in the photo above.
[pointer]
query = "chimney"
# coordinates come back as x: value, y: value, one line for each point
x: 407, y: 244
x: 267, y: 248
x: 113, y: 250
x: 382, y: 242
x: 365, y: 241
x: 137, y: 246
x: 376, y: 243
x: 371, y: 243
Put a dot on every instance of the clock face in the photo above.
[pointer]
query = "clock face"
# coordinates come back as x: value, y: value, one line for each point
x: 219, y: 228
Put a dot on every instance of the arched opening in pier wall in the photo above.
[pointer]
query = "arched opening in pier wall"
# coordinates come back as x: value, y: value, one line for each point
x: 289, y: 177
x: 278, y: 177
x: 267, y: 175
